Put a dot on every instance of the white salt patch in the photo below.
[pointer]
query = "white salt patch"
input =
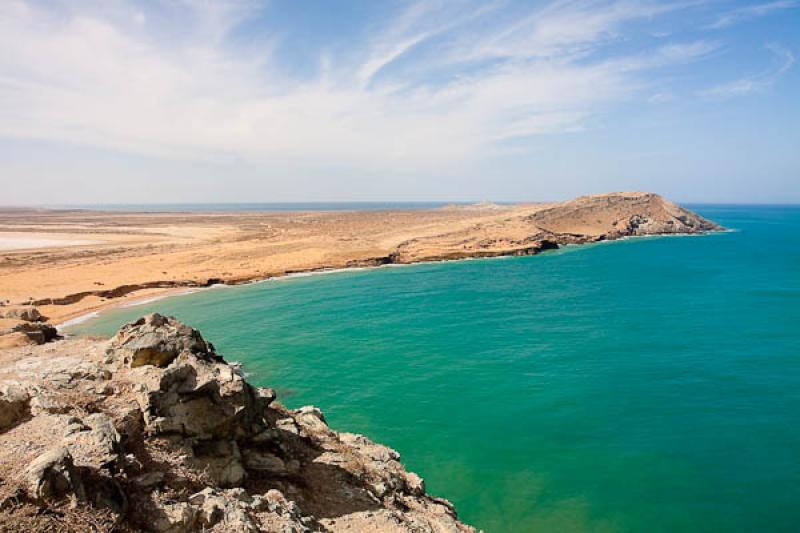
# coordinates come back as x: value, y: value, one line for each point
x: 28, y: 243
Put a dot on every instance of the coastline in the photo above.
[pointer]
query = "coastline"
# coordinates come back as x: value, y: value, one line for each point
x: 155, y: 255
x: 162, y: 294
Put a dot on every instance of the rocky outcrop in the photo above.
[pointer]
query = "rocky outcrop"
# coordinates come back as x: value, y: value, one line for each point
x: 583, y: 220
x: 26, y: 313
x: 14, y: 405
x: 24, y: 325
x: 615, y: 215
x: 154, y: 431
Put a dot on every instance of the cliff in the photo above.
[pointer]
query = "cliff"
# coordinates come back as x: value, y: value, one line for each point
x: 153, y: 430
x: 582, y: 220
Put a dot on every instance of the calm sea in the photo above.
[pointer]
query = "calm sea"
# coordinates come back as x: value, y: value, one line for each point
x: 644, y: 385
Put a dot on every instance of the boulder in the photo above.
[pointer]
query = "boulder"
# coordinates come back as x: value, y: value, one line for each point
x: 262, y: 461
x: 264, y: 397
x: 27, y: 313
x: 14, y: 406
x: 157, y: 340
x: 37, y: 332
x: 96, y: 444
x: 275, y: 502
x: 415, y: 484
x: 221, y: 459
x: 173, y: 518
x: 197, y: 399
x: 227, y: 508
x: 148, y: 480
x: 52, y: 475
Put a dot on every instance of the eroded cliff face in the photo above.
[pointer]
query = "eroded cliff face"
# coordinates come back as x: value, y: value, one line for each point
x: 582, y: 220
x: 154, y: 430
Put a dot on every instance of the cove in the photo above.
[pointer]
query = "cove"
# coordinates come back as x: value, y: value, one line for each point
x: 644, y: 385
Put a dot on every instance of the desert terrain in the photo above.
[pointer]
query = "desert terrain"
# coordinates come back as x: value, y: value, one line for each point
x: 71, y: 262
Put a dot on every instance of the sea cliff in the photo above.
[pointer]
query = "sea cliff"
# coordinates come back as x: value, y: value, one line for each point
x: 153, y: 430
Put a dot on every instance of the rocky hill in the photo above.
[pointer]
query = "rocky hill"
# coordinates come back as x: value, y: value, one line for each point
x: 528, y: 231
x: 154, y: 430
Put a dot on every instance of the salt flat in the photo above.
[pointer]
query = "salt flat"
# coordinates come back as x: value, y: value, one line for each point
x: 13, y: 242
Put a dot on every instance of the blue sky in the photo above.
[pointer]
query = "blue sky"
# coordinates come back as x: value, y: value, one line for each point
x: 115, y: 101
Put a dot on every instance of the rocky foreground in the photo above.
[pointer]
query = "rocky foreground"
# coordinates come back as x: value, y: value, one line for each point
x: 154, y: 431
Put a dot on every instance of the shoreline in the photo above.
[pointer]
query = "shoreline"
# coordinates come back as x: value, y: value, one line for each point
x: 175, y: 292
x: 146, y: 256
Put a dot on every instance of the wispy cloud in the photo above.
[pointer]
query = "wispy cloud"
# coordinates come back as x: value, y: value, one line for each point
x: 562, y: 28
x: 757, y: 82
x: 661, y: 98
x: 169, y: 81
x: 752, y: 11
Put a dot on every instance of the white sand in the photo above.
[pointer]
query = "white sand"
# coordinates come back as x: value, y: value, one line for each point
x: 27, y: 243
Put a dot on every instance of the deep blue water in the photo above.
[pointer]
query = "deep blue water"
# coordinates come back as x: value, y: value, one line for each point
x: 643, y: 385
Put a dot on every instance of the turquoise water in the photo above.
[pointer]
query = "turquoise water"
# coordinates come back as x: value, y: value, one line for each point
x: 643, y: 385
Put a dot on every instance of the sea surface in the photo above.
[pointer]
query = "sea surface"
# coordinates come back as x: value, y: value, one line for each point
x: 650, y: 384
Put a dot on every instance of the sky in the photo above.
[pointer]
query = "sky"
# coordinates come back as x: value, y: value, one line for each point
x: 157, y: 101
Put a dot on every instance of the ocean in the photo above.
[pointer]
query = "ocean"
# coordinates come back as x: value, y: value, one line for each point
x: 649, y: 384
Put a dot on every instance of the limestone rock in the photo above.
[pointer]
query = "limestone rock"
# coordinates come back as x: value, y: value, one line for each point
x: 310, y: 415
x: 227, y: 509
x: 96, y: 446
x: 157, y: 340
x: 27, y: 313
x: 415, y: 484
x: 197, y: 399
x: 51, y: 475
x: 14, y: 405
x: 148, y: 480
x: 222, y: 460
x: 173, y: 518
x: 265, y: 462
x: 157, y: 429
x: 37, y: 332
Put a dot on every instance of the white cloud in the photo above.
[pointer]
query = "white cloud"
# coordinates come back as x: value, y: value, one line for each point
x: 752, y: 11
x: 757, y: 82
x: 165, y: 82
x: 562, y: 28
x: 661, y: 98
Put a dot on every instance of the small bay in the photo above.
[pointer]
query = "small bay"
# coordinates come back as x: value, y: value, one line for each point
x: 651, y: 384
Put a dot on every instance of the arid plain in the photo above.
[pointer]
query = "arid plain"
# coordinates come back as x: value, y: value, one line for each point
x: 70, y: 262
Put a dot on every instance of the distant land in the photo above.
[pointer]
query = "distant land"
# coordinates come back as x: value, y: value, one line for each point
x: 70, y: 263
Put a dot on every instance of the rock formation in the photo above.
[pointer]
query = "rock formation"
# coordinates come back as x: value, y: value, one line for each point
x: 582, y: 220
x: 154, y: 431
x: 21, y: 325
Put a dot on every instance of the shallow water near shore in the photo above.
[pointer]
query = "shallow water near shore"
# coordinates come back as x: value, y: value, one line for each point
x: 642, y: 385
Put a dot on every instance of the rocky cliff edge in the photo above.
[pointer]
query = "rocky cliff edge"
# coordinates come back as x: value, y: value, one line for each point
x: 154, y: 430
